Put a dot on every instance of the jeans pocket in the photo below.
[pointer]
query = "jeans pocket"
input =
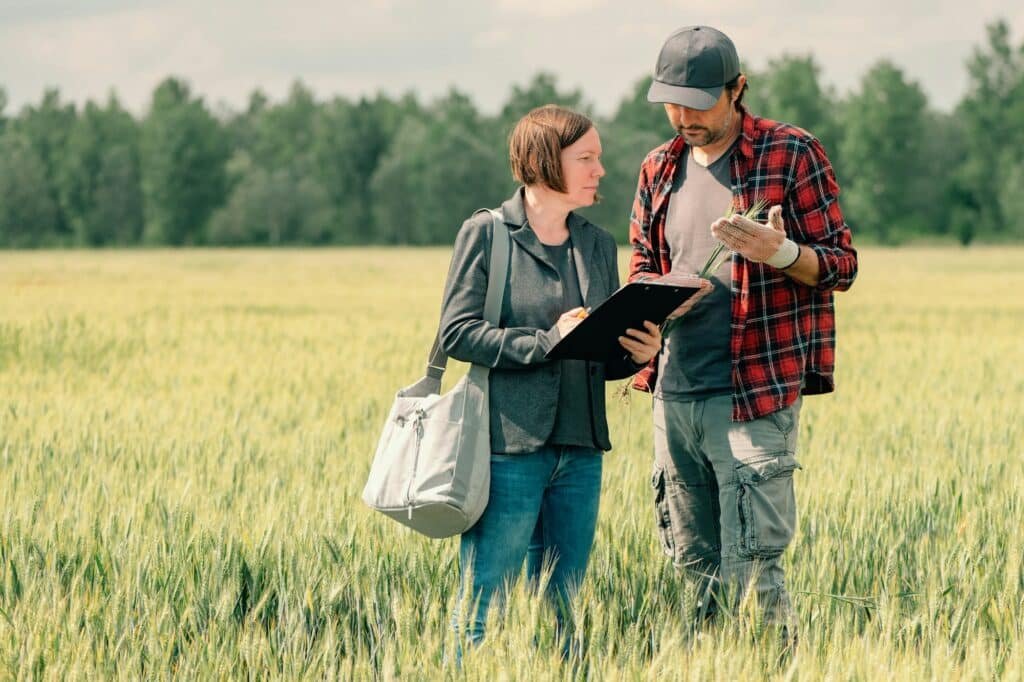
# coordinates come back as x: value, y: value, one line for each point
x: 784, y: 420
x: 662, y: 517
x: 787, y: 422
x: 767, y: 506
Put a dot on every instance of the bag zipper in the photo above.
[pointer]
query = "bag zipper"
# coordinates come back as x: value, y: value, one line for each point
x: 417, y: 424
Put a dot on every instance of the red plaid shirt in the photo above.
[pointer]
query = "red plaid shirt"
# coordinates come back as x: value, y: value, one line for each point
x: 783, y: 332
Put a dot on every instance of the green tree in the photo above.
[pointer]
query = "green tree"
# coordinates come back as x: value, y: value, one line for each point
x: 280, y: 206
x: 118, y: 203
x: 241, y: 127
x: 543, y: 89
x: 789, y: 90
x: 435, y: 173
x: 184, y: 150
x: 1011, y: 199
x: 28, y: 217
x: 46, y: 127
x: 3, y: 107
x: 283, y: 133
x: 992, y: 114
x: 636, y: 113
x: 945, y: 199
x: 351, y: 140
x: 884, y: 140
x: 99, y: 181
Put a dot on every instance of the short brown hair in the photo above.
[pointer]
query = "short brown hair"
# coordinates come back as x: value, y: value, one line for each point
x: 535, y: 145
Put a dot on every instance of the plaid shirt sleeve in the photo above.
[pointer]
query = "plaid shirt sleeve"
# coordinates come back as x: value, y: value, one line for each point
x: 814, y: 204
x: 784, y: 332
x: 643, y: 260
x: 649, y: 256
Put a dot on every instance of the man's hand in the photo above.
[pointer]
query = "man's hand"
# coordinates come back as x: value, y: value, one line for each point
x: 705, y: 289
x: 753, y: 241
x: 642, y: 345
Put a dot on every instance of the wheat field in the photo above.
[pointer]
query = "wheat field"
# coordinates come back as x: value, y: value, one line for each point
x: 184, y: 437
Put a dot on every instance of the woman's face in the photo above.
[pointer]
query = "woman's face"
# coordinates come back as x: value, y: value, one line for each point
x: 582, y: 169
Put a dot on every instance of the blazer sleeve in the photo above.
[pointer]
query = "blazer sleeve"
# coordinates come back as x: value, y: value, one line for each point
x: 465, y: 335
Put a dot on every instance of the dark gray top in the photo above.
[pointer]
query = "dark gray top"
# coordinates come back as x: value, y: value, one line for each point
x: 524, y: 385
x: 572, y: 416
x: 695, y: 363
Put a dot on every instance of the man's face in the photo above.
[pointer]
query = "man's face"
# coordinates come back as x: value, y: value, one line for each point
x: 704, y: 127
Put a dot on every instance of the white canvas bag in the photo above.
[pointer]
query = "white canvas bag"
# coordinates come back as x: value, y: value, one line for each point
x: 432, y: 469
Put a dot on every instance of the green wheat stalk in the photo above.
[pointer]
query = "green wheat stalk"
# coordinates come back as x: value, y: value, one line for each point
x: 720, y: 253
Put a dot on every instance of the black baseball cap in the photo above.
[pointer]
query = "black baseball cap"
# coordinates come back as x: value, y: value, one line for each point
x: 693, y: 65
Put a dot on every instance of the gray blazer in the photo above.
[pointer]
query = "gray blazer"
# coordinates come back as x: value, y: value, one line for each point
x: 523, y: 384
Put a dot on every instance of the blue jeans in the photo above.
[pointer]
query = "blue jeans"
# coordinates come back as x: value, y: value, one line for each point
x: 542, y: 505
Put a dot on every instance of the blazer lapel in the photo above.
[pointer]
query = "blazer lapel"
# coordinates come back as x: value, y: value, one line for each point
x: 527, y: 240
x: 583, y: 253
x: 514, y: 214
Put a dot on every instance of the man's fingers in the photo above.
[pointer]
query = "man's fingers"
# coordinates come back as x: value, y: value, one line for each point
x: 730, y: 235
x: 775, y: 218
x: 638, y: 335
x: 633, y: 347
x: 744, y: 224
x: 630, y: 345
x: 649, y: 330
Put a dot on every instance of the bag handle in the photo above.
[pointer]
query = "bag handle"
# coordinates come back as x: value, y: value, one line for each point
x: 497, y: 278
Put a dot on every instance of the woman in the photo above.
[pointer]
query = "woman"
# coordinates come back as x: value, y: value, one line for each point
x: 548, y: 424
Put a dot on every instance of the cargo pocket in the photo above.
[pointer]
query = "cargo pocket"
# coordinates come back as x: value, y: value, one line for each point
x: 767, y: 506
x: 662, y: 517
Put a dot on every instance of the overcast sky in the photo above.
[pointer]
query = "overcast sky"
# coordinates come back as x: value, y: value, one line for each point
x: 226, y: 48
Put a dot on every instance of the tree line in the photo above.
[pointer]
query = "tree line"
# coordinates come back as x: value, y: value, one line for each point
x: 387, y: 170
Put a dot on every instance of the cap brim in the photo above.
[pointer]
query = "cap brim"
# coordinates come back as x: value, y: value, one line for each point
x: 694, y: 98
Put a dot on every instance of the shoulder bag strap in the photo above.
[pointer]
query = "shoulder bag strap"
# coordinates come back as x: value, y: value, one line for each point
x: 497, y: 277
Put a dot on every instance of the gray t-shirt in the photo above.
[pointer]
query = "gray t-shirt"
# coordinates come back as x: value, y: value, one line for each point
x: 695, y: 363
x: 572, y: 416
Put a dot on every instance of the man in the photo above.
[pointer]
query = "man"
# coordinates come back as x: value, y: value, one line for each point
x: 728, y: 383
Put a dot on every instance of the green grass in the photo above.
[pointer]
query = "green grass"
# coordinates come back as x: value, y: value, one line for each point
x: 184, y: 437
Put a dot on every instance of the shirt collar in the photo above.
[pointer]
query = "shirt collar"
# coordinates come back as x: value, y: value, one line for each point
x: 747, y: 133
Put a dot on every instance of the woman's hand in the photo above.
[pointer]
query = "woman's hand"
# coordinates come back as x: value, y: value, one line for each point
x: 569, y: 319
x: 642, y: 346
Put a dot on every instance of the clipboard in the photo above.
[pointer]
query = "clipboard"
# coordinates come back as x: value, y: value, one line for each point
x: 597, y: 336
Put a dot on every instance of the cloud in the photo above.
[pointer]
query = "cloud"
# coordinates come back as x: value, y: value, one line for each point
x: 227, y: 48
x: 548, y: 9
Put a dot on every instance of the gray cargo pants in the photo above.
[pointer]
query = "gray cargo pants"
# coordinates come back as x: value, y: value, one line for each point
x: 724, y: 500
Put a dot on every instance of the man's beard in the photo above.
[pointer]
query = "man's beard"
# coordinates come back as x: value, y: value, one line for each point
x: 708, y: 136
